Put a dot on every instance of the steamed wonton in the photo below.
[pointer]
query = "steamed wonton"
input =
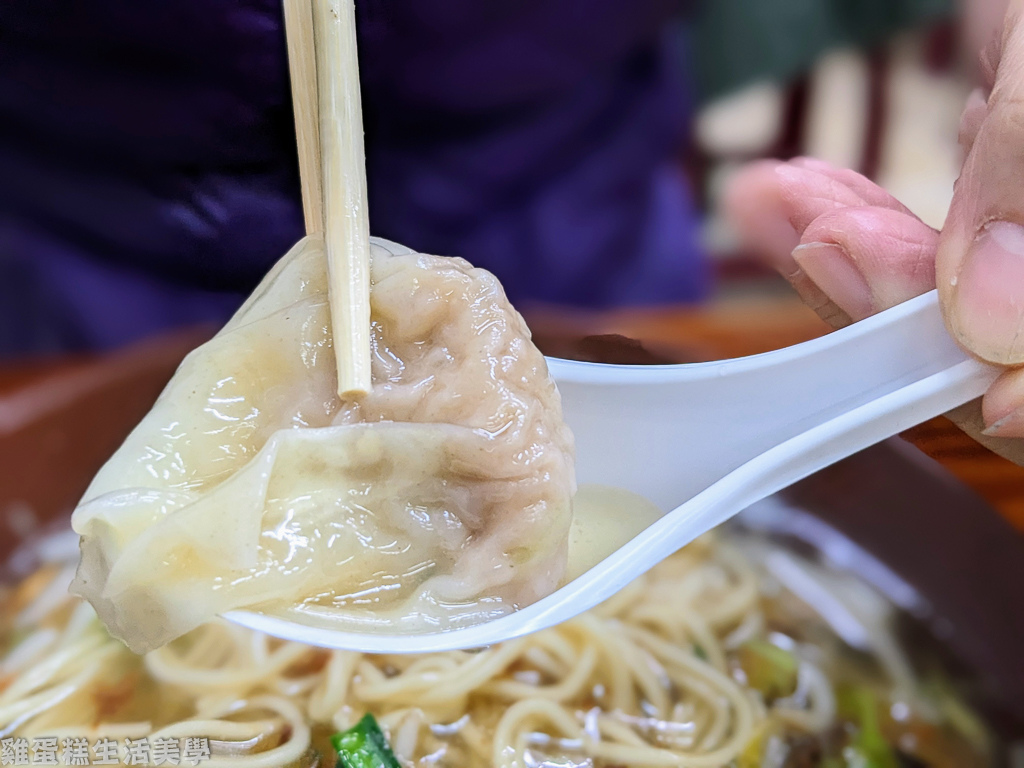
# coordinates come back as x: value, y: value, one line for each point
x: 440, y: 499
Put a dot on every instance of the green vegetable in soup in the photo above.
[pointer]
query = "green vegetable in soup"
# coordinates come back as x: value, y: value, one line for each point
x: 869, y: 747
x: 364, y: 746
x: 768, y: 668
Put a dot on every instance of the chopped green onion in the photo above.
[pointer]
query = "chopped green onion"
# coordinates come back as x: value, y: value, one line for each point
x: 364, y: 746
x: 768, y: 668
x: 869, y: 748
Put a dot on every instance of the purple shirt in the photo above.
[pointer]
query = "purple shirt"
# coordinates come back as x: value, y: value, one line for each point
x: 148, y: 175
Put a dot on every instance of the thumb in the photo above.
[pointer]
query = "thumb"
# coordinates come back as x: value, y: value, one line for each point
x: 980, y: 259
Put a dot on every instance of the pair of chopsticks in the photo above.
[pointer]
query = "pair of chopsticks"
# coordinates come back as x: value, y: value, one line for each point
x: 324, y: 71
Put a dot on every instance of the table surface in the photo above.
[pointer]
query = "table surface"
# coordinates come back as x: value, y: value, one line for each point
x: 728, y: 329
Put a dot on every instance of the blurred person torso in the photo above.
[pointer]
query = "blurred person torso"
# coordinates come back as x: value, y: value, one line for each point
x: 148, y: 176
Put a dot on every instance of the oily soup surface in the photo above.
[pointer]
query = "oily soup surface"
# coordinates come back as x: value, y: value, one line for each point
x: 440, y: 499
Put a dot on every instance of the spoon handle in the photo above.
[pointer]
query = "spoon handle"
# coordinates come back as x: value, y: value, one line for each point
x: 669, y: 432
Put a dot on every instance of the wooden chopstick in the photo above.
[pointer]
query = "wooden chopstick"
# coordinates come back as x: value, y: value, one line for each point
x: 298, y: 25
x: 342, y: 173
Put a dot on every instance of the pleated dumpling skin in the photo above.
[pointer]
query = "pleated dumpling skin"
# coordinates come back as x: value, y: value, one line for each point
x: 440, y: 499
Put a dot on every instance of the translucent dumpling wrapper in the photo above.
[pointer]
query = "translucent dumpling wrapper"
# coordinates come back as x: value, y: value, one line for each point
x: 442, y: 498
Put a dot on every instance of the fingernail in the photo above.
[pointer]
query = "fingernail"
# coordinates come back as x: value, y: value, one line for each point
x: 830, y: 268
x: 1010, y: 425
x: 988, y: 294
x: 1003, y: 405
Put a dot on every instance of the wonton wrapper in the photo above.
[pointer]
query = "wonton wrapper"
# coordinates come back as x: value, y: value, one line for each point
x: 442, y: 498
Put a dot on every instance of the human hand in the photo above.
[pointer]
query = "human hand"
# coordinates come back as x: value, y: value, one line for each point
x: 851, y: 249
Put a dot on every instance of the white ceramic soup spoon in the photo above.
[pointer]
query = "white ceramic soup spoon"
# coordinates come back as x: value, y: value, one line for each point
x: 707, y: 440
